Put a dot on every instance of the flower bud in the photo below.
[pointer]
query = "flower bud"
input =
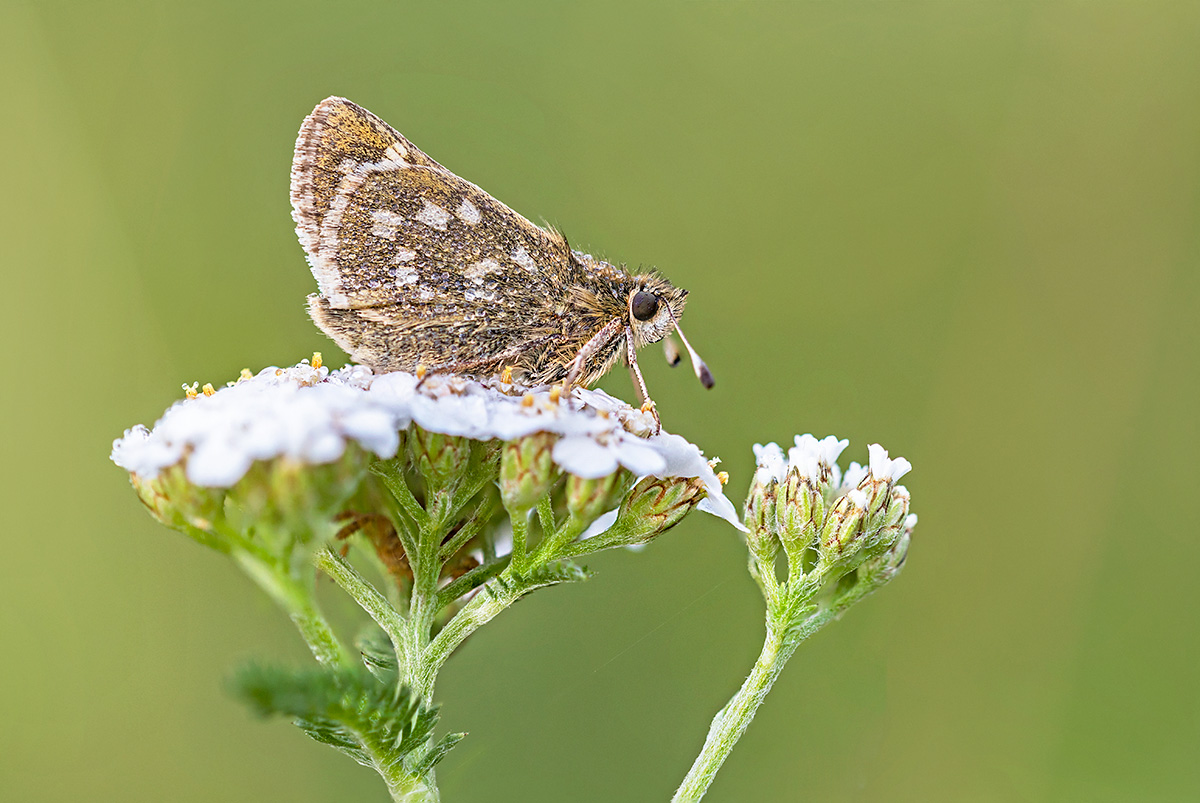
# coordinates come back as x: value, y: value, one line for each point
x: 182, y: 506
x: 882, y: 569
x: 657, y: 504
x: 295, y: 498
x: 527, y: 471
x: 439, y: 458
x: 587, y: 499
x: 843, y: 525
x: 762, y: 502
x: 800, y: 508
x: 897, y: 509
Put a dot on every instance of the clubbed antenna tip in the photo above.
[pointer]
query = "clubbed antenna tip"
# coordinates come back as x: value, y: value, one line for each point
x: 702, y: 373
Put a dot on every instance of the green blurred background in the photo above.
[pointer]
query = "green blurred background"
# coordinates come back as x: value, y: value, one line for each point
x: 966, y: 230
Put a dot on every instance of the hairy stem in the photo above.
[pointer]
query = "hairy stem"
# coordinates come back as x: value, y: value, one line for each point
x: 483, y: 607
x: 367, y: 596
x: 297, y: 601
x: 731, y: 721
x: 423, y: 605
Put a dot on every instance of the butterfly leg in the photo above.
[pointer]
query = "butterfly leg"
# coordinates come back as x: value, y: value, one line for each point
x: 589, y: 350
x: 639, y: 382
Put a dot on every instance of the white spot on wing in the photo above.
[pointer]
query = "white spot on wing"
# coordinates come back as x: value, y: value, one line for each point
x: 433, y: 215
x: 396, y: 152
x: 405, y: 276
x: 473, y: 294
x: 468, y: 213
x: 481, y: 268
x: 522, y: 258
x: 386, y: 223
x: 404, y: 255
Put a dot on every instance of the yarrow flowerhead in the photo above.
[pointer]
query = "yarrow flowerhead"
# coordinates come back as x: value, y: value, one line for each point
x: 826, y: 521
x: 275, y: 441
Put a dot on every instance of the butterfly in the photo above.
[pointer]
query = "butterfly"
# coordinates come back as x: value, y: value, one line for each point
x: 422, y: 271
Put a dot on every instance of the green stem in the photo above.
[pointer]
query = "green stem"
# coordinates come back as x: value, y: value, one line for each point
x: 469, y: 529
x: 423, y: 603
x: 296, y: 600
x: 469, y: 582
x: 409, y: 789
x: 617, y: 535
x: 731, y: 721
x: 555, y: 542
x: 366, y: 595
x: 403, y: 786
x: 393, y: 478
x: 545, y: 511
x: 482, y: 608
x: 520, y: 537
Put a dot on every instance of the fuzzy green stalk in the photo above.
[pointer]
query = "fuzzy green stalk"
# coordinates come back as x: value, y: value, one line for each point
x: 296, y: 600
x: 785, y: 632
x: 731, y: 721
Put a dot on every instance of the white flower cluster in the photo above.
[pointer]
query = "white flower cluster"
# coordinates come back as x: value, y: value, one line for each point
x: 815, y: 459
x: 309, y: 414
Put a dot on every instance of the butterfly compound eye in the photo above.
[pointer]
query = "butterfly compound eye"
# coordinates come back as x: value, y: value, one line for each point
x: 644, y: 305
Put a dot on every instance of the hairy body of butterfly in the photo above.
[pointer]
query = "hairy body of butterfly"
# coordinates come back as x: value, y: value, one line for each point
x: 420, y: 268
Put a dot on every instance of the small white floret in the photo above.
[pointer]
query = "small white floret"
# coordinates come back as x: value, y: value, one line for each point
x: 771, y: 465
x: 884, y: 469
x: 853, y: 476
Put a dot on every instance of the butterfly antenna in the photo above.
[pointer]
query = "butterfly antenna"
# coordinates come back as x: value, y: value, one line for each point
x: 702, y: 373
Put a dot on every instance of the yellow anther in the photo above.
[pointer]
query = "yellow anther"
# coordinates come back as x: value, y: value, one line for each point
x: 316, y: 360
x: 506, y: 375
x: 208, y: 390
x: 555, y: 392
x: 723, y: 477
x: 421, y: 370
x: 190, y: 390
x: 245, y: 374
x: 527, y: 400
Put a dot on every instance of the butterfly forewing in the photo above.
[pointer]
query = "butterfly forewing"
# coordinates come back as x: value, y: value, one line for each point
x: 383, y: 224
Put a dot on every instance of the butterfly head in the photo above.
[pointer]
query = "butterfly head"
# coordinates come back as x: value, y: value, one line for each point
x: 655, y: 307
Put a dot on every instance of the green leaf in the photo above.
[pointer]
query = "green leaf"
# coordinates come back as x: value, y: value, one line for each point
x: 553, y: 573
x: 372, y: 722
x: 378, y: 655
x: 428, y: 759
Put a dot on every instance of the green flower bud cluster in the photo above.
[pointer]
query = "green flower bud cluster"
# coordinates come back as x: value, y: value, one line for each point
x: 837, y: 531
